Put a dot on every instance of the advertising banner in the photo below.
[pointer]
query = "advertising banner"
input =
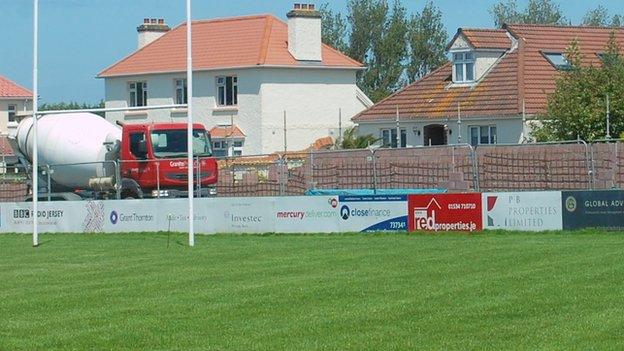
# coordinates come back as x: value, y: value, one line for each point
x: 373, y: 213
x: 297, y: 214
x: 445, y: 212
x: 593, y: 209
x: 302, y: 214
x: 531, y: 210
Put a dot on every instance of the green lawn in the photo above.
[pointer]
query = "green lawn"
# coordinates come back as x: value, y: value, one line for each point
x: 313, y: 292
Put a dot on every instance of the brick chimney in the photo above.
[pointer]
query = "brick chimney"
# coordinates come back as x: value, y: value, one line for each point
x: 304, y: 32
x: 150, y: 30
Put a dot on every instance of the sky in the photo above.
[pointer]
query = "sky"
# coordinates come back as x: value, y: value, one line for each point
x: 79, y: 38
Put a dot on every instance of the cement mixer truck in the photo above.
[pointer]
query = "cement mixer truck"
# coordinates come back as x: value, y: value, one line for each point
x: 82, y: 155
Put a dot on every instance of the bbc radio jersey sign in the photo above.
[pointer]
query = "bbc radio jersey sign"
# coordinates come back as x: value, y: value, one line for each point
x: 593, y: 209
x: 531, y: 210
x: 445, y: 212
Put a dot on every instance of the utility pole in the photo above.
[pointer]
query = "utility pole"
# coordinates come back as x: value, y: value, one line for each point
x: 459, y: 122
x: 398, y: 128
x: 339, y: 127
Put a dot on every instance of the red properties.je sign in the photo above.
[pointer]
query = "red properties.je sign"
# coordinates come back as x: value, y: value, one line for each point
x: 445, y: 212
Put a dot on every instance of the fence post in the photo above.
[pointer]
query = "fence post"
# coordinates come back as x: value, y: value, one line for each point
x: 475, y: 168
x: 118, y: 184
x: 280, y: 173
x: 589, y: 163
x: 49, y: 186
x: 616, y: 164
x: 157, y: 179
x: 374, y: 170
x: 311, y: 185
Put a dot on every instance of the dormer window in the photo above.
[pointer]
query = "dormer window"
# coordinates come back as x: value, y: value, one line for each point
x: 557, y: 59
x: 463, y: 67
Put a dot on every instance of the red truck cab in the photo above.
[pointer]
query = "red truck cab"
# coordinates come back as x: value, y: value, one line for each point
x: 154, y: 163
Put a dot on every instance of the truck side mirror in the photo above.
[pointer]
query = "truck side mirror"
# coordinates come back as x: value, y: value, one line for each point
x: 142, y: 148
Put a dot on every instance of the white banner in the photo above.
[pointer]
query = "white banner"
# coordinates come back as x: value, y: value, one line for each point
x: 302, y: 214
x: 531, y: 210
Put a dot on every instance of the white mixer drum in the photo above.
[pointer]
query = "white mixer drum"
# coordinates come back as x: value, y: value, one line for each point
x: 76, y: 139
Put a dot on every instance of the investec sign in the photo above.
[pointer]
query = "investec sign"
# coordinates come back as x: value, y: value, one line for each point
x: 445, y: 212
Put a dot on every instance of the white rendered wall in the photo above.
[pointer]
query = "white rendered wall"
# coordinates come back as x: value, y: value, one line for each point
x: 311, y: 98
x: 147, y: 37
x: 21, y: 105
x: 508, y: 130
x: 484, y: 60
x: 304, y: 38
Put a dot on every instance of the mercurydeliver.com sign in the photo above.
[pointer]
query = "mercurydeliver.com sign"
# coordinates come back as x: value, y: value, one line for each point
x: 445, y: 212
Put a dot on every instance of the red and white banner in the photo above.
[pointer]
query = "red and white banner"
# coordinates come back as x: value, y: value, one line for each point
x: 445, y: 212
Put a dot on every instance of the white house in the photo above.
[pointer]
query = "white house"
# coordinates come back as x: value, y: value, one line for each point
x: 273, y: 84
x: 492, y: 91
x: 13, y: 98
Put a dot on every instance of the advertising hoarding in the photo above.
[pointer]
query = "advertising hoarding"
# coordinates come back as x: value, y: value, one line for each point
x: 445, y: 212
x: 301, y: 214
x: 530, y: 210
x: 373, y: 213
x: 593, y: 209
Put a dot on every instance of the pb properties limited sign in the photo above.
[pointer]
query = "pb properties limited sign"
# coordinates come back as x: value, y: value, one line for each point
x: 531, y: 210
x: 593, y: 209
x: 445, y: 212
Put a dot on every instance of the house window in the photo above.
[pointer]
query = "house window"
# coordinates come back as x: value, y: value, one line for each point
x: 389, y: 137
x: 138, y: 94
x: 180, y: 92
x: 482, y: 135
x: 227, y: 91
x: 558, y: 60
x: 224, y: 148
x: 12, y: 110
x: 464, y: 67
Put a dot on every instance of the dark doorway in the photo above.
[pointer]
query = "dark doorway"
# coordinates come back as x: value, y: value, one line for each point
x: 434, y: 134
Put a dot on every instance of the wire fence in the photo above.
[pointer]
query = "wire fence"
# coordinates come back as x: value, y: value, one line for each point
x: 573, y: 165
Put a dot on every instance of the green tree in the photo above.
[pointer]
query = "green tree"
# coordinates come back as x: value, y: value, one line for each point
x: 333, y: 28
x: 577, y: 108
x: 60, y: 106
x: 596, y: 17
x: 616, y: 21
x: 388, y: 51
x: 351, y: 139
x: 536, y: 12
x: 505, y: 12
x: 427, y: 42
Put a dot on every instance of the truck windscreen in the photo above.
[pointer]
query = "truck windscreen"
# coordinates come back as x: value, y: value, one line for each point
x: 172, y: 143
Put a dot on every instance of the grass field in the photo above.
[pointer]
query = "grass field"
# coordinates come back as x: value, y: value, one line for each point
x: 331, y: 292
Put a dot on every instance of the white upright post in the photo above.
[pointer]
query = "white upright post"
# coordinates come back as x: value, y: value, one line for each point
x: 35, y: 159
x: 189, y: 131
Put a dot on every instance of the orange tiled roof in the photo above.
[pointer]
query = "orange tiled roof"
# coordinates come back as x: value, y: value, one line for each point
x: 10, y: 89
x: 260, y: 40
x: 537, y: 74
x: 488, y: 38
x: 520, y: 75
x: 222, y: 132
